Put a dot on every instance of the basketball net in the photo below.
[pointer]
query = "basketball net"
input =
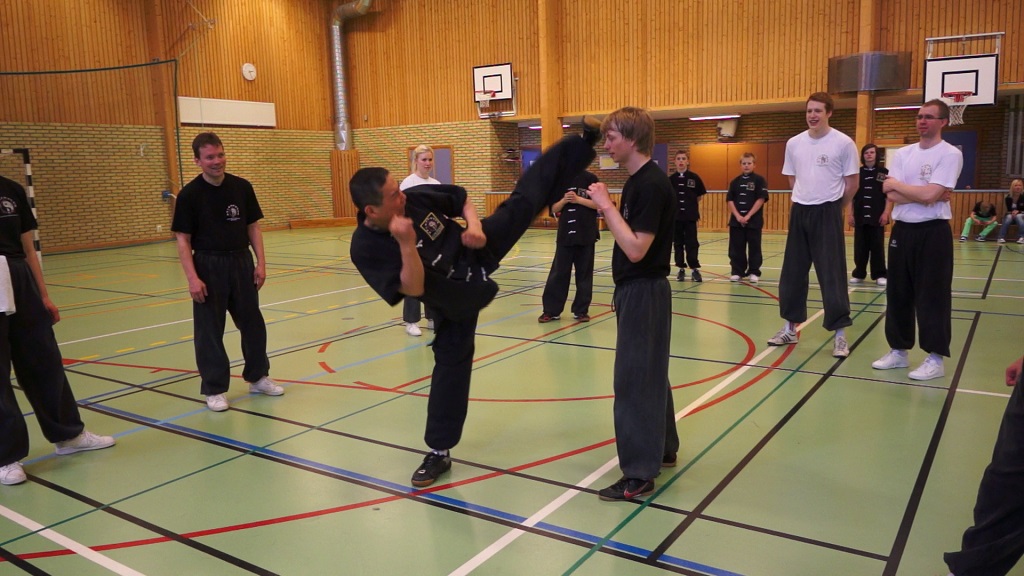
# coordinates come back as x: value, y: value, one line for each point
x: 483, y: 99
x: 957, y: 106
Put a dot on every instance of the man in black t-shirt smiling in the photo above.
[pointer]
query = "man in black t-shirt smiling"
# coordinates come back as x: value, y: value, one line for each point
x: 407, y: 244
x: 216, y: 220
x: 645, y: 426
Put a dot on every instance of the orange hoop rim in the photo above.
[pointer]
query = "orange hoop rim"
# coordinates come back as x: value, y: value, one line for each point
x: 957, y: 97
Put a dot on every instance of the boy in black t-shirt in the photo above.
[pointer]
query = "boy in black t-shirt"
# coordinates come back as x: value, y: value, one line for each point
x: 216, y: 220
x: 645, y: 427
x: 869, y: 213
x: 747, y: 194
x: 983, y: 214
x: 407, y: 244
x: 577, y: 234
x: 28, y: 343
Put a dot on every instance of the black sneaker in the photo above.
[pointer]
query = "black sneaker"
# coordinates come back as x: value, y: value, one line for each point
x: 696, y: 276
x: 627, y: 489
x: 668, y: 460
x: 591, y: 130
x: 433, y: 466
x: 545, y: 318
x: 681, y: 276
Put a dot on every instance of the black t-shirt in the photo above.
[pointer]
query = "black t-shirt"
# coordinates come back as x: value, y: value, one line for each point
x: 217, y: 217
x: 688, y: 187
x: 15, y: 218
x: 456, y: 279
x: 744, y: 190
x: 991, y: 212
x: 648, y: 205
x: 869, y: 201
x: 577, y: 224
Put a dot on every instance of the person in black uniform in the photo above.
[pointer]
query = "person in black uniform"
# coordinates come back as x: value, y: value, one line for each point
x: 574, y: 248
x: 645, y: 426
x: 995, y: 543
x: 747, y: 194
x: 27, y: 342
x: 216, y: 220
x: 868, y: 217
x: 407, y: 244
x: 690, y: 191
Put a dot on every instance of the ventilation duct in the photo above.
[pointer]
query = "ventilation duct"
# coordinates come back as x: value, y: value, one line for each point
x: 342, y: 131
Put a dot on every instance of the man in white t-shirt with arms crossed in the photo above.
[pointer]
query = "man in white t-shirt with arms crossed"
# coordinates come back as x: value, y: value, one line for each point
x: 921, y: 177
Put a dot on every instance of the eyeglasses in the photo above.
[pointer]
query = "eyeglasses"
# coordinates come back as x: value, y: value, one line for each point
x: 930, y: 117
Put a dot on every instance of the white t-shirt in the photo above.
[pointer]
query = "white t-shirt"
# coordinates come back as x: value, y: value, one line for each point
x: 819, y: 165
x: 414, y: 180
x: 914, y: 165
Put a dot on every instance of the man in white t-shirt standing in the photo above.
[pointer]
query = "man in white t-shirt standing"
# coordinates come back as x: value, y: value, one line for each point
x: 823, y: 168
x: 921, y: 177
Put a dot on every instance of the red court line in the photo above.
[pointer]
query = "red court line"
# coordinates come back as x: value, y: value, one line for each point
x: 326, y: 367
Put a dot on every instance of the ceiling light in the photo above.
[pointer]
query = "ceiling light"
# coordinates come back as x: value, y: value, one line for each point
x: 722, y: 117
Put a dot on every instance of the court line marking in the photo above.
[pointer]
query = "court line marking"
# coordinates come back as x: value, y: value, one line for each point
x: 269, y: 304
x: 62, y: 540
x: 498, y: 545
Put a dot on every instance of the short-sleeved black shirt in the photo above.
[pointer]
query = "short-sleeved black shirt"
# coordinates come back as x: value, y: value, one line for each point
x: 456, y: 279
x: 744, y: 190
x: 217, y: 217
x: 15, y: 218
x: 869, y: 201
x: 989, y: 213
x: 688, y: 187
x: 577, y: 224
x: 648, y: 205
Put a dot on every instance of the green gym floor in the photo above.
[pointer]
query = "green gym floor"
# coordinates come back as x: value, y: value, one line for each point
x: 792, y: 462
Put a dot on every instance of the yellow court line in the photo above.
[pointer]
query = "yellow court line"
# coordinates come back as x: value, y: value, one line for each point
x: 125, y: 350
x: 158, y: 343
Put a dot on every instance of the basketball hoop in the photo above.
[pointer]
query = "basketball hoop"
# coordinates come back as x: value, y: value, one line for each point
x: 957, y: 106
x: 483, y: 98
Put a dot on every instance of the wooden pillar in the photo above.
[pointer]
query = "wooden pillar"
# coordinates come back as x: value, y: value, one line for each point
x: 869, y: 38
x: 548, y: 15
x: 162, y: 89
x: 344, y: 164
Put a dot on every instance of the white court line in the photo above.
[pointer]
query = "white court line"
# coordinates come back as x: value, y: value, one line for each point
x: 80, y: 549
x: 190, y: 319
x: 498, y: 545
x: 982, y: 393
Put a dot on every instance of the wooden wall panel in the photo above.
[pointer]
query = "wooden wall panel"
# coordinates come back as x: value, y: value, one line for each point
x: 906, y: 23
x: 411, y: 61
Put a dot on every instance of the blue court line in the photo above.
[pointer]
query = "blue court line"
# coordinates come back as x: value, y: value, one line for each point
x: 637, y: 551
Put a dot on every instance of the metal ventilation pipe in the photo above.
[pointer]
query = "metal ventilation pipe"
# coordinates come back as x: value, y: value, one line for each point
x: 342, y: 132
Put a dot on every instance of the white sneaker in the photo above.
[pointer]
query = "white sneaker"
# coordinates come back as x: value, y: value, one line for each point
x: 265, y: 386
x: 734, y: 278
x: 1020, y: 240
x: 881, y: 281
x: 84, y: 441
x: 1001, y: 241
x: 754, y: 279
x: 12, y: 474
x: 217, y: 403
x: 928, y: 370
x: 840, y: 349
x: 782, y: 338
x: 413, y: 330
x: 856, y: 280
x: 894, y: 359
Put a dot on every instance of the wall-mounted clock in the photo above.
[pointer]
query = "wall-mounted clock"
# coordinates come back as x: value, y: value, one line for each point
x: 248, y: 71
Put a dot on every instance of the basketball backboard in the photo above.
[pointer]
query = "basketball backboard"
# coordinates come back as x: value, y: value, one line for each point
x: 977, y: 74
x: 496, y: 78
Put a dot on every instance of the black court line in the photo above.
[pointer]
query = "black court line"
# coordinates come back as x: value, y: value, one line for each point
x: 991, y: 273
x: 663, y: 547
x: 900, y: 543
x: 14, y: 560
x: 173, y: 536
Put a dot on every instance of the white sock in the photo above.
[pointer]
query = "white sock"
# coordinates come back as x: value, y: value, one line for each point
x: 840, y: 333
x: 790, y: 327
x: 440, y: 452
x: 935, y: 358
x: 898, y: 352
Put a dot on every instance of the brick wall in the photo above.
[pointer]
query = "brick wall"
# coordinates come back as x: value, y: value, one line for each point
x: 477, y: 148
x: 100, y: 185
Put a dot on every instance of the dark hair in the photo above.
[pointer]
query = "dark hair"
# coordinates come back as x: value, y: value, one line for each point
x: 748, y: 155
x: 205, y: 139
x: 867, y: 147
x: 824, y: 98
x: 365, y: 187
x: 942, y: 106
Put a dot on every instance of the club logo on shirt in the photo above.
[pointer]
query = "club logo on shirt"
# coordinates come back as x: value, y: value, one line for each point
x: 690, y: 183
x: 7, y: 206
x: 822, y: 160
x: 233, y: 213
x: 880, y: 177
x: 432, y: 226
x: 748, y: 186
x: 926, y: 172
